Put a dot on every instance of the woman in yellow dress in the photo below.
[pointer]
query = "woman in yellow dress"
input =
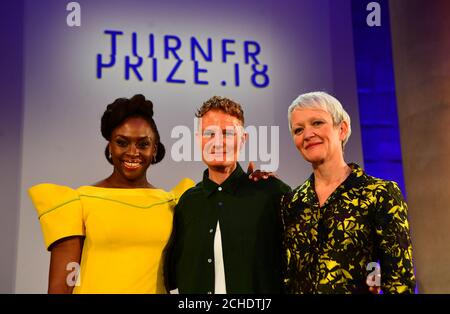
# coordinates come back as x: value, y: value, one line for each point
x: 109, y: 237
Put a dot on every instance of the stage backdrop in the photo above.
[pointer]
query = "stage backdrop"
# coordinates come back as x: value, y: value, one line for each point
x: 260, y: 53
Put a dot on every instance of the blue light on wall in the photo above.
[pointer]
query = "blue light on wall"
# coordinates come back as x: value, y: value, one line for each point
x: 376, y: 94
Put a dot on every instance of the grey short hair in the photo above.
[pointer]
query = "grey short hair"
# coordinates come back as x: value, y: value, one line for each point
x: 322, y: 100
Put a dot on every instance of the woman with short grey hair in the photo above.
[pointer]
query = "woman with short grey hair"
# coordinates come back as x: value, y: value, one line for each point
x: 322, y: 100
x: 340, y: 222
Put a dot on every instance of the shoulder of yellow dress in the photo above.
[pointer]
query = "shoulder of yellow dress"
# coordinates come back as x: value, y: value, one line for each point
x: 49, y: 196
x: 186, y: 182
x: 182, y: 186
x: 49, y: 189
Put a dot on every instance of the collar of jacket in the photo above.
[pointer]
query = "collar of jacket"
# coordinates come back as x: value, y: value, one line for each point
x: 356, y: 178
x: 230, y: 185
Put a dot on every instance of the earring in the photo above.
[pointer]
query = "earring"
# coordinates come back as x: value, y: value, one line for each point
x: 110, y: 155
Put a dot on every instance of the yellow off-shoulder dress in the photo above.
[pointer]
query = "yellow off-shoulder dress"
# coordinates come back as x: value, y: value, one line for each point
x: 125, y: 232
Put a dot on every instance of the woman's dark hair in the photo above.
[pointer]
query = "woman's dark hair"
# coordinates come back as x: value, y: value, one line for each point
x: 124, y: 108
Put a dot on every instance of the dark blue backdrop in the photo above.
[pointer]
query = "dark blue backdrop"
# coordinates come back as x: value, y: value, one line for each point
x: 376, y: 93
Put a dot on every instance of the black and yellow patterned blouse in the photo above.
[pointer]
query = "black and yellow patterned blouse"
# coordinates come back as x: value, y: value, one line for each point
x: 327, y: 249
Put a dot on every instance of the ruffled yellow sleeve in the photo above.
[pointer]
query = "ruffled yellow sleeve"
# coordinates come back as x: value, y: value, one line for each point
x: 182, y: 187
x: 59, y: 210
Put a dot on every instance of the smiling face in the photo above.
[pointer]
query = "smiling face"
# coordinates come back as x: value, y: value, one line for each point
x: 132, y: 148
x: 315, y: 135
x: 221, y: 138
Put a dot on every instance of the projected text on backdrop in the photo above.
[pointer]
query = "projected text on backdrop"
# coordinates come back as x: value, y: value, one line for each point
x: 171, y: 59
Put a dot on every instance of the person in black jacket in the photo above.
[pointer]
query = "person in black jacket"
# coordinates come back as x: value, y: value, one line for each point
x: 226, y: 234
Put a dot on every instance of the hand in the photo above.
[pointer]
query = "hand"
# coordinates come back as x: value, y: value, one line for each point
x: 255, y: 175
x: 375, y: 279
